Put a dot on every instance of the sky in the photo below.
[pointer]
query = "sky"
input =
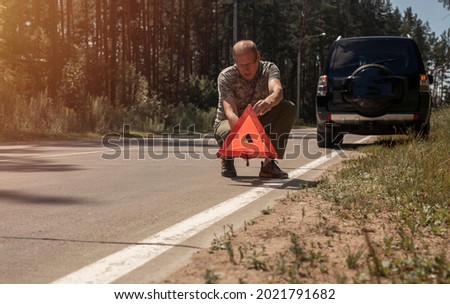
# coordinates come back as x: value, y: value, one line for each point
x: 432, y: 11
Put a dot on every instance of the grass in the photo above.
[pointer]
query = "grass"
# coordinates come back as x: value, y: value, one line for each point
x: 210, y: 277
x: 41, y: 118
x: 386, y: 221
x: 402, y: 183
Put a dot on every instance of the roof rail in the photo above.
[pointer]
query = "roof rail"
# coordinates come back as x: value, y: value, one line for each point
x: 338, y: 38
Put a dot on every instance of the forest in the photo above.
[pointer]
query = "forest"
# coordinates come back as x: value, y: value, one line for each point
x: 74, y: 66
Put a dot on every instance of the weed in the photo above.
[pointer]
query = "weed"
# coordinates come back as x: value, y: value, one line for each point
x: 326, y: 227
x: 217, y: 244
x: 281, y: 263
x: 376, y: 268
x: 249, y: 223
x: 220, y: 243
x: 403, y: 184
x: 401, y: 187
x: 256, y: 261
x: 341, y: 278
x: 230, y: 232
x: 230, y: 251
x: 296, y: 249
x: 41, y: 117
x: 210, y: 277
x: 242, y: 251
x: 353, y: 258
x: 268, y: 211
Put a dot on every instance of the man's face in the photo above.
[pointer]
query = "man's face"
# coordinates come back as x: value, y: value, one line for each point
x: 247, y: 65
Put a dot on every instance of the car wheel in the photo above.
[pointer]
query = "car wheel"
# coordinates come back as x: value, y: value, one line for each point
x: 322, y: 140
x: 422, y: 131
x: 329, y: 138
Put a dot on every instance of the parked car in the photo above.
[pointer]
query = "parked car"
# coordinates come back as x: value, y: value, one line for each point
x: 372, y: 85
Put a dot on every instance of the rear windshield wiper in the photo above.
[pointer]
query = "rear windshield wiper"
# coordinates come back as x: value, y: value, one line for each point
x: 385, y: 60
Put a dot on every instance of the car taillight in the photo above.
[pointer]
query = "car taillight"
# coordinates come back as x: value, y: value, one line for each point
x: 424, y: 84
x: 322, y: 86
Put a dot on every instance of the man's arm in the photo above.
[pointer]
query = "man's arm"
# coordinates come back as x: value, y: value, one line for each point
x: 276, y: 95
x: 230, y: 109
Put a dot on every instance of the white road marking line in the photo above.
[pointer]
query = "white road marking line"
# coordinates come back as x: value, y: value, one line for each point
x: 116, y: 265
x: 122, y: 262
x: 363, y: 140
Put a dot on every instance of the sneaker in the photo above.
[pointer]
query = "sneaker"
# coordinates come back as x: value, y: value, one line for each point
x: 228, y: 169
x: 271, y: 170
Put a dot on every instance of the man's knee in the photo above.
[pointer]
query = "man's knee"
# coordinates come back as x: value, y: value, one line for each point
x: 288, y: 108
x: 284, y: 113
x: 221, y: 131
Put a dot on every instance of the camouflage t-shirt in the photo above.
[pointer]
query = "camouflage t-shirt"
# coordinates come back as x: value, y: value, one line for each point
x: 231, y: 84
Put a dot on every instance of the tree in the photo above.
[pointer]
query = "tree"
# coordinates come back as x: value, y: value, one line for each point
x: 172, y: 51
x: 446, y: 3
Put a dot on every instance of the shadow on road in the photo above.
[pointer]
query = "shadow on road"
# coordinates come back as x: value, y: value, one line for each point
x: 28, y: 198
x: 19, y: 164
x: 252, y: 181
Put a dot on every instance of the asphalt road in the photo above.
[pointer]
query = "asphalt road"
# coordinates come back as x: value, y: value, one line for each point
x: 130, y: 211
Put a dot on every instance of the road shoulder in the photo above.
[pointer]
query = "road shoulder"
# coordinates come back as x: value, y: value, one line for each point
x: 298, y: 240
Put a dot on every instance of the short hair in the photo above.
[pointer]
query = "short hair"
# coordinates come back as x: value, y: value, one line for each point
x: 244, y: 47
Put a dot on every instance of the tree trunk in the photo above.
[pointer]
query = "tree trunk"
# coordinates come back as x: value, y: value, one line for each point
x: 53, y: 54
x: 113, y: 59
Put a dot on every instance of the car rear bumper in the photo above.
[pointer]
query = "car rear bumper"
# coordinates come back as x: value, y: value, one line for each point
x: 391, y: 123
x: 355, y: 119
x: 358, y: 124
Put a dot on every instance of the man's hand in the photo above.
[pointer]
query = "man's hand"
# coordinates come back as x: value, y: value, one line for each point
x: 276, y: 95
x: 262, y: 107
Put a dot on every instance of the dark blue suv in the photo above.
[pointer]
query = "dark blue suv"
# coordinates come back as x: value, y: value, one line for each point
x: 372, y: 85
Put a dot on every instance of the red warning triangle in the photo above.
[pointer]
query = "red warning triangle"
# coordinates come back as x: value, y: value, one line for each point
x: 247, y: 139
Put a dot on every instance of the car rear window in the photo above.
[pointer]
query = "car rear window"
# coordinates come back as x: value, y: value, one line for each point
x: 397, y: 55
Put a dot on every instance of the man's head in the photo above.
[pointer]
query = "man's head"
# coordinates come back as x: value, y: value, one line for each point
x: 246, y: 56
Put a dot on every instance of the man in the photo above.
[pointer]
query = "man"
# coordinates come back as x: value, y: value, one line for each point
x: 251, y: 80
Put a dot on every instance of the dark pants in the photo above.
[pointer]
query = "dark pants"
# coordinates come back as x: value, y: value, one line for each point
x: 277, y: 123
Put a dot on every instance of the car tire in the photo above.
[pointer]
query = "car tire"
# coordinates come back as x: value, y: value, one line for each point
x: 422, y: 131
x: 329, y: 138
x: 322, y: 140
